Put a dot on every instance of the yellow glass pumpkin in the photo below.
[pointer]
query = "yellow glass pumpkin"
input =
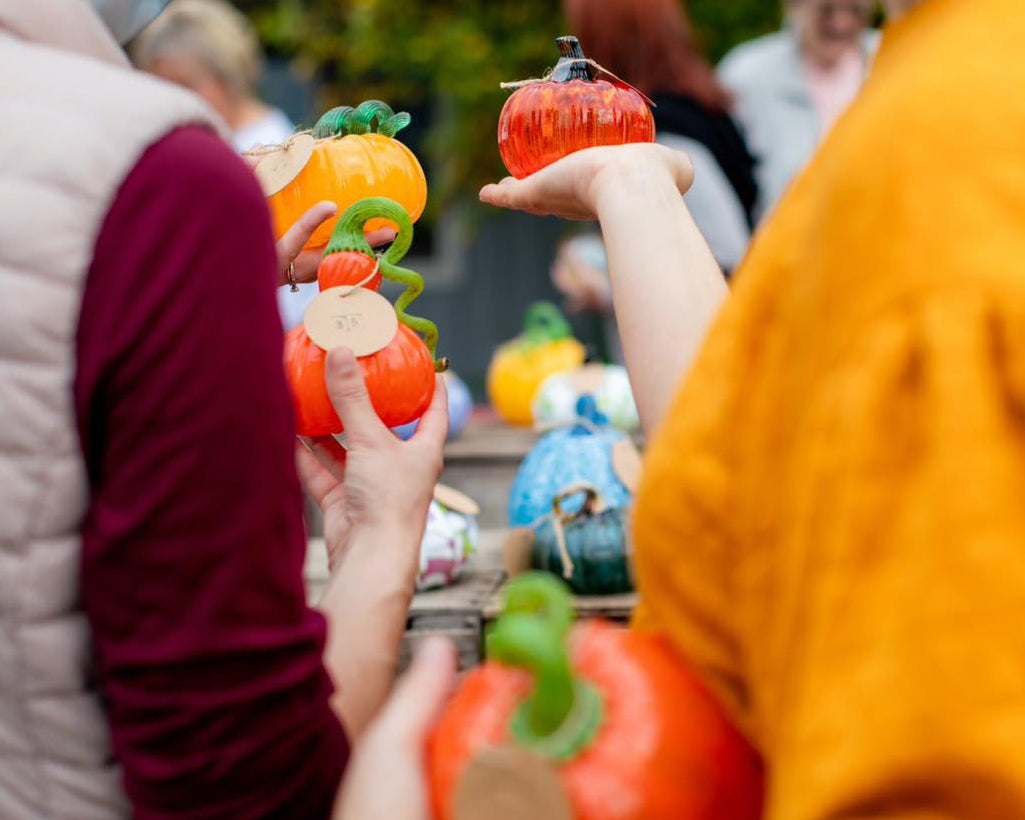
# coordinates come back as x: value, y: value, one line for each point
x: 545, y: 346
x: 355, y: 156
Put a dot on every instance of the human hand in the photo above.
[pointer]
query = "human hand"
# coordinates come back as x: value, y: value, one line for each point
x: 385, y: 778
x: 572, y: 187
x: 380, y: 482
x: 305, y: 262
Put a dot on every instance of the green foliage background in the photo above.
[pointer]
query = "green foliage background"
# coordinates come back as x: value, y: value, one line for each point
x: 452, y: 54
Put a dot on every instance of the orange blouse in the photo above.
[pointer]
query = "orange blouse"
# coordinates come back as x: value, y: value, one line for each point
x: 832, y: 520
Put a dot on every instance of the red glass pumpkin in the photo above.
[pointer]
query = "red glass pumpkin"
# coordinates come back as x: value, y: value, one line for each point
x: 627, y: 729
x: 569, y: 111
x: 399, y: 377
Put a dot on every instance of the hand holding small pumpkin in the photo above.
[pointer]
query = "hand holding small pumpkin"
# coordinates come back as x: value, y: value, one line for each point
x: 573, y: 187
x: 379, y: 483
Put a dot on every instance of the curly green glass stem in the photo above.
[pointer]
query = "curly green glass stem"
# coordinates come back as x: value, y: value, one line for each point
x: 348, y: 236
x: 562, y: 713
x: 370, y: 117
x: 348, y: 232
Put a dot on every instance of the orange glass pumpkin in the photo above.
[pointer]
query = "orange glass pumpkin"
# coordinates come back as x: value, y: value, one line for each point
x: 627, y: 729
x: 569, y: 111
x: 355, y: 156
x: 400, y: 376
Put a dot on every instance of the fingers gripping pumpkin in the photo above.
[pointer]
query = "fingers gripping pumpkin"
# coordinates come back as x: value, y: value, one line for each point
x: 399, y: 376
x: 355, y: 155
x: 625, y: 729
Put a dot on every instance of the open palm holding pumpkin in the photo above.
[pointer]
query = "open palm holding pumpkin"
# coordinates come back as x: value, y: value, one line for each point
x: 570, y: 188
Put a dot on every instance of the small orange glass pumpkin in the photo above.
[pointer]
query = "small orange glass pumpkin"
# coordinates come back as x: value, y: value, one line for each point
x: 569, y: 111
x: 400, y: 376
x: 627, y: 730
x: 355, y: 156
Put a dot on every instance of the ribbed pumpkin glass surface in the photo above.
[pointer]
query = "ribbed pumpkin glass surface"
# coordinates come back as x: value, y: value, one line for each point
x: 399, y: 377
x: 356, y: 156
x: 593, y: 557
x: 628, y: 730
x: 571, y: 110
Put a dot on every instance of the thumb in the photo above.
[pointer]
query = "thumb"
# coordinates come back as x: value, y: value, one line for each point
x: 348, y: 392
x: 422, y: 692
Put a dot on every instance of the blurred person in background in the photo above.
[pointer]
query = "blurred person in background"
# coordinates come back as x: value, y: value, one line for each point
x: 159, y: 658
x: 211, y: 48
x: 789, y: 87
x: 651, y: 45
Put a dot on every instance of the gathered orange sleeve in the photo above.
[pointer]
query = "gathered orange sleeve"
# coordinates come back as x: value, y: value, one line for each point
x: 831, y: 522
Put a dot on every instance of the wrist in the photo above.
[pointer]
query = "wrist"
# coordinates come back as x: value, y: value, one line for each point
x: 392, y: 543
x: 635, y: 178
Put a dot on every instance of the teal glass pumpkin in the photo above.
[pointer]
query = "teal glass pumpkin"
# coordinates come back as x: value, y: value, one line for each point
x: 588, y: 549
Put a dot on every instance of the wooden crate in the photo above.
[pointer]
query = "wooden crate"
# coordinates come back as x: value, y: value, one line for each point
x: 462, y: 611
x: 454, y: 611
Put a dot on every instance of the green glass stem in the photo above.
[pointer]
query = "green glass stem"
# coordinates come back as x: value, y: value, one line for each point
x: 369, y: 117
x: 544, y: 322
x: 562, y: 713
x: 348, y: 236
x: 348, y: 232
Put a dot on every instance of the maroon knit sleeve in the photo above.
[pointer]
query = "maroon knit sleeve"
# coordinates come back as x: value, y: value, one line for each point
x: 208, y: 658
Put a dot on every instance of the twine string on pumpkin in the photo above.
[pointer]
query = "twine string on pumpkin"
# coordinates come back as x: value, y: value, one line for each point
x: 559, y: 518
x: 263, y: 150
x: 362, y: 282
x: 587, y: 61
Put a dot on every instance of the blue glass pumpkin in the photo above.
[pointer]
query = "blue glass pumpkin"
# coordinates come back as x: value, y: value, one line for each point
x: 580, y: 453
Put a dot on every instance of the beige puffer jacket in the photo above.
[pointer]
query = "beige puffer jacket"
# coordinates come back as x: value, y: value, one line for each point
x: 74, y: 119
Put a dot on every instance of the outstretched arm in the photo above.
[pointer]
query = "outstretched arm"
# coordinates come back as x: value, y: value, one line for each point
x: 666, y: 285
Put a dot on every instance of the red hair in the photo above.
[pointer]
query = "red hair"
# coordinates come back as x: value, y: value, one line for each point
x: 649, y: 43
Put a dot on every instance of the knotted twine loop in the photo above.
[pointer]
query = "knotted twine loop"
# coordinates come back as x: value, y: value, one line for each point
x: 263, y: 150
x: 587, y: 61
x: 593, y: 503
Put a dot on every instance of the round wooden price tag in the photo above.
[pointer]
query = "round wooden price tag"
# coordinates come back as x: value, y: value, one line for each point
x: 455, y: 500
x: 280, y: 167
x: 510, y: 783
x: 357, y: 318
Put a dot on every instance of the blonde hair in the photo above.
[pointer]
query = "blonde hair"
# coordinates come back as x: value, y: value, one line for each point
x: 211, y: 32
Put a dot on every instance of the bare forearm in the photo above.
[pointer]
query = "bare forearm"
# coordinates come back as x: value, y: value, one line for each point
x: 666, y: 285
x: 367, y: 605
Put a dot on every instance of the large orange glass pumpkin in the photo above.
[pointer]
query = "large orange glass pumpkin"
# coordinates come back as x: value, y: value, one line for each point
x: 400, y: 376
x: 623, y: 724
x: 569, y: 111
x: 355, y: 156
